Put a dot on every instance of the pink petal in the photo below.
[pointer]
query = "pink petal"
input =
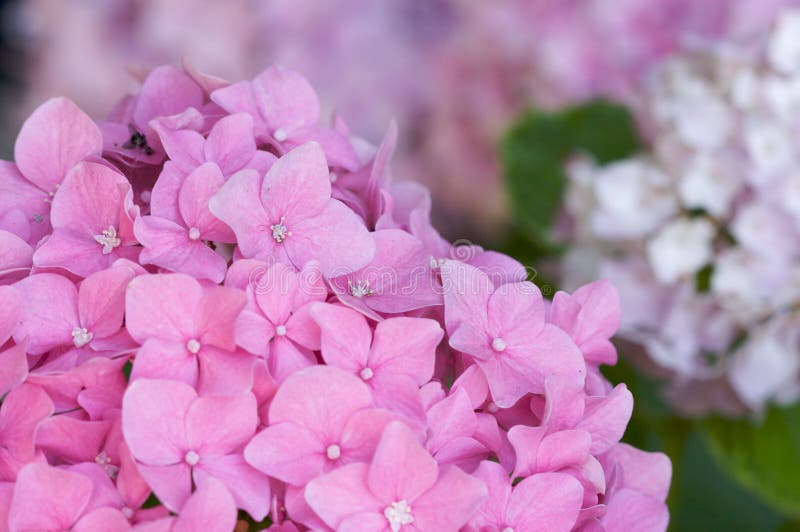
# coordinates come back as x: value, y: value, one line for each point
x: 375, y: 522
x: 449, y: 419
x: 49, y: 312
x: 13, y: 367
x: 164, y: 197
x: 450, y: 503
x: 401, y: 468
x: 230, y: 143
x: 162, y: 306
x: 341, y: 493
x: 398, y: 393
x: 70, y: 439
x: 224, y: 372
x: 285, y: 99
x: 406, y: 346
x: 166, y: 91
x: 606, y: 418
x: 321, y: 398
x: 10, y: 311
x: 56, y: 137
x: 633, y: 510
x: 466, y: 298
x: 211, y: 508
x: 101, y: 300
x: 15, y: 253
x: 153, y: 413
x: 337, y: 147
x: 253, y: 332
x: 647, y: 472
x: 216, y: 315
x: 297, y: 185
x: 346, y: 336
x: 46, y: 498
x: 492, y: 513
x: 89, y: 200
x: 167, y: 244
x: 217, y: 425
x: 171, y: 484
x: 102, y: 519
x: 157, y: 359
x: 22, y: 411
x: 239, y: 98
x: 238, y: 204
x: 183, y: 146
x: 287, y: 451
x: 547, y: 501
x: 285, y: 358
x: 249, y: 487
x: 197, y: 190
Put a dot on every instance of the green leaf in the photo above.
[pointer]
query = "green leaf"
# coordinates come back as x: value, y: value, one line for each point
x: 537, y: 145
x: 763, y: 455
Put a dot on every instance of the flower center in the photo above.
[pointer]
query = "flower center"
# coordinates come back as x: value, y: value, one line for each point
x: 333, y: 177
x: 192, y: 458
x: 398, y: 514
x: 334, y: 452
x: 108, y: 239
x: 127, y: 512
x: 193, y: 346
x: 104, y: 461
x: 280, y: 330
x: 81, y: 337
x: 194, y: 233
x: 280, y: 231
x: 499, y: 345
x: 360, y: 289
x: 492, y: 408
x: 436, y: 263
x: 367, y: 374
x: 280, y: 134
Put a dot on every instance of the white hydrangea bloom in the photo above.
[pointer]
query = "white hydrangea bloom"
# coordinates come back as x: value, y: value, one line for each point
x: 702, y: 232
x: 680, y: 249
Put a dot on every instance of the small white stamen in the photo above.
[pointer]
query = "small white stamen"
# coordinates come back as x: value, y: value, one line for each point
x: 398, y: 514
x: 194, y: 233
x: 145, y: 196
x: 192, y: 458
x: 81, y: 337
x: 280, y: 134
x: 280, y: 330
x: 127, y: 512
x: 492, y: 408
x: 499, y: 345
x: 436, y: 263
x: 334, y: 452
x: 333, y: 177
x: 104, y: 461
x: 367, y: 374
x: 280, y: 231
x: 360, y: 289
x: 193, y: 346
x: 108, y: 239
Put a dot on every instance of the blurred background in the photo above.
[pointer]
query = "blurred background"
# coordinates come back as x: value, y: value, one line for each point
x: 455, y: 74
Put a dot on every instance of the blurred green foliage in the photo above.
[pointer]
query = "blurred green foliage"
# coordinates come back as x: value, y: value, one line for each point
x: 727, y: 474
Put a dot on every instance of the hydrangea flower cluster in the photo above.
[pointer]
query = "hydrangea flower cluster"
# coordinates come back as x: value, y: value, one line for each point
x: 482, y: 63
x: 701, y: 233
x: 212, y: 306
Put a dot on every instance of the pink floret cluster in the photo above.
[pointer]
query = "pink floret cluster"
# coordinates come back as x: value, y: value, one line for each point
x: 215, y: 311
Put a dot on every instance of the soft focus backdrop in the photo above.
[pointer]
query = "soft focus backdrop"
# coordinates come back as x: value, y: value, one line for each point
x: 452, y: 72
x: 455, y: 75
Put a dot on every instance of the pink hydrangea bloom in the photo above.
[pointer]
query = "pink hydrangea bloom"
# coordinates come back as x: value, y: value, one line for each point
x: 219, y: 321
